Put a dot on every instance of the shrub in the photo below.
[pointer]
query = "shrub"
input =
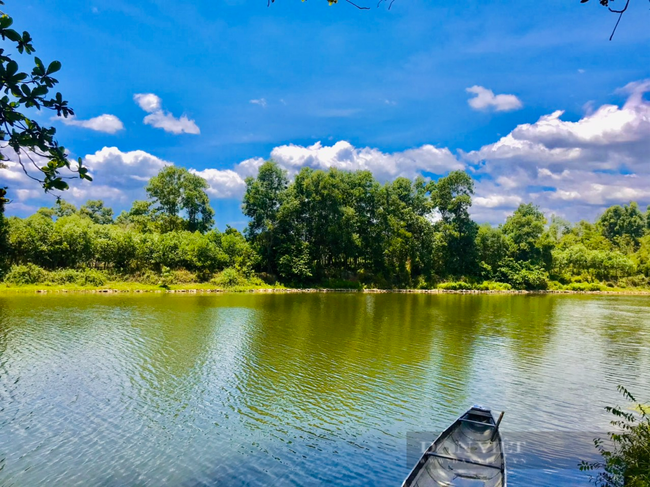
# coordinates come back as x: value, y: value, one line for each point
x: 63, y: 276
x: 144, y: 277
x: 81, y: 277
x: 494, y: 286
x: 628, y: 462
x: 182, y: 276
x: 585, y: 286
x: 92, y: 277
x: 229, y: 277
x: 455, y: 286
x: 524, y: 275
x: 26, y: 274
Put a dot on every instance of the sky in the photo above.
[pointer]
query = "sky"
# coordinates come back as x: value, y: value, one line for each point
x: 531, y: 98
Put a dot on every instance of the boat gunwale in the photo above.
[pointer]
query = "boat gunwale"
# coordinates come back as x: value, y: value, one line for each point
x: 419, y: 464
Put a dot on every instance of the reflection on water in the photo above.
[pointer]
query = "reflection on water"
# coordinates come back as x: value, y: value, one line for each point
x: 297, y: 389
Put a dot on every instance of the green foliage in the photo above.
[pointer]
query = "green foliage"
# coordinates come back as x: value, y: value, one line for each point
x: 97, y: 212
x: 494, y: 286
x: 623, y: 224
x: 525, y: 228
x: 229, y: 278
x: 25, y: 274
x: 331, y: 228
x: 627, y: 461
x: 175, y: 190
x: 523, y: 275
x: 456, y: 286
x: 32, y: 144
x: 585, y: 286
x: 63, y: 208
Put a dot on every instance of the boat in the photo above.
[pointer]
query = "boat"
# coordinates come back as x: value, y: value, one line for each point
x: 467, y: 454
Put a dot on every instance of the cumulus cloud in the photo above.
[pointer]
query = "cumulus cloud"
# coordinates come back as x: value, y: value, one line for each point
x: 342, y: 155
x: 109, y: 124
x: 152, y: 104
x: 572, y: 168
x: 486, y: 100
x: 148, y: 102
x: 118, y: 178
x: 224, y: 183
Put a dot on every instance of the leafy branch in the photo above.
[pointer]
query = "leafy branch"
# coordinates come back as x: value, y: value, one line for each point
x: 39, y: 154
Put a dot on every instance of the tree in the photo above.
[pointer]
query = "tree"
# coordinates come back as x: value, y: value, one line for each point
x: 492, y: 249
x: 63, y: 208
x: 37, y: 152
x: 452, y: 197
x: 176, y: 190
x: 525, y: 227
x: 262, y: 200
x: 622, y: 223
x: 97, y: 212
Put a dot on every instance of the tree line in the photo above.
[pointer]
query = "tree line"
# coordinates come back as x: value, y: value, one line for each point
x: 326, y: 228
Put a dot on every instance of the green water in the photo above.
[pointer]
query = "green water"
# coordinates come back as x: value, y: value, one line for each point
x: 297, y: 389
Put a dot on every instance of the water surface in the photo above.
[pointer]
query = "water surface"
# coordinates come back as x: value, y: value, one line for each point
x: 300, y: 389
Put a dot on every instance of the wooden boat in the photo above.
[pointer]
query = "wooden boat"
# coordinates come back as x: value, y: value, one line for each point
x: 467, y: 454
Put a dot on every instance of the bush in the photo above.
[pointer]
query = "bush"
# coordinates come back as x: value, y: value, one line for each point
x: 182, y: 276
x: 92, y: 277
x: 63, y: 276
x: 455, y: 286
x: 585, y: 286
x: 143, y: 277
x: 524, y: 275
x: 628, y: 462
x: 494, y: 286
x: 26, y: 274
x: 81, y: 277
x: 229, y: 277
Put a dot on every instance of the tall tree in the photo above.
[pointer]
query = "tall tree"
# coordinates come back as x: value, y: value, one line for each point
x: 262, y: 200
x: 525, y: 228
x: 175, y: 190
x: 97, y: 212
x: 452, y: 197
x: 623, y: 223
x: 63, y: 208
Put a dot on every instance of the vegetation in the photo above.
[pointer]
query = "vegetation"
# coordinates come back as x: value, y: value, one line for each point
x: 627, y: 463
x: 35, y: 148
x: 324, y: 229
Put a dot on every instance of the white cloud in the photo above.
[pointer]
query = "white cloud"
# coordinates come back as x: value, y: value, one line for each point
x: 161, y: 119
x: 572, y: 168
x: 109, y: 124
x: 223, y: 183
x: 261, y: 102
x: 498, y: 201
x: 486, y: 99
x: 342, y: 155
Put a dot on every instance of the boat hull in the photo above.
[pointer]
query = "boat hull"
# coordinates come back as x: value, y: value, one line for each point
x: 467, y: 454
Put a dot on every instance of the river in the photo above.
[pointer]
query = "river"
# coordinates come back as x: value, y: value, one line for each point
x: 303, y: 389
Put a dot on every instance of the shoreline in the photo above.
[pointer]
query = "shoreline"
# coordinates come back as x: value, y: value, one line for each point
x: 33, y: 289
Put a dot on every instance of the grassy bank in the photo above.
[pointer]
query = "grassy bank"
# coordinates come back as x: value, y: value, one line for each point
x: 207, y: 287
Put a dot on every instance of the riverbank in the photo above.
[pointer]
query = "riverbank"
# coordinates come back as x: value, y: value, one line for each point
x: 206, y: 288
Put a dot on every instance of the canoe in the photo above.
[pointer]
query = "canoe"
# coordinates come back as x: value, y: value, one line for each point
x: 467, y: 454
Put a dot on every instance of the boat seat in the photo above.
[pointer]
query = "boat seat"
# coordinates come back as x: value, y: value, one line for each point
x: 457, y: 459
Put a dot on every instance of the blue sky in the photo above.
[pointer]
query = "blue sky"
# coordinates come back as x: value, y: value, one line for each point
x: 257, y: 80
